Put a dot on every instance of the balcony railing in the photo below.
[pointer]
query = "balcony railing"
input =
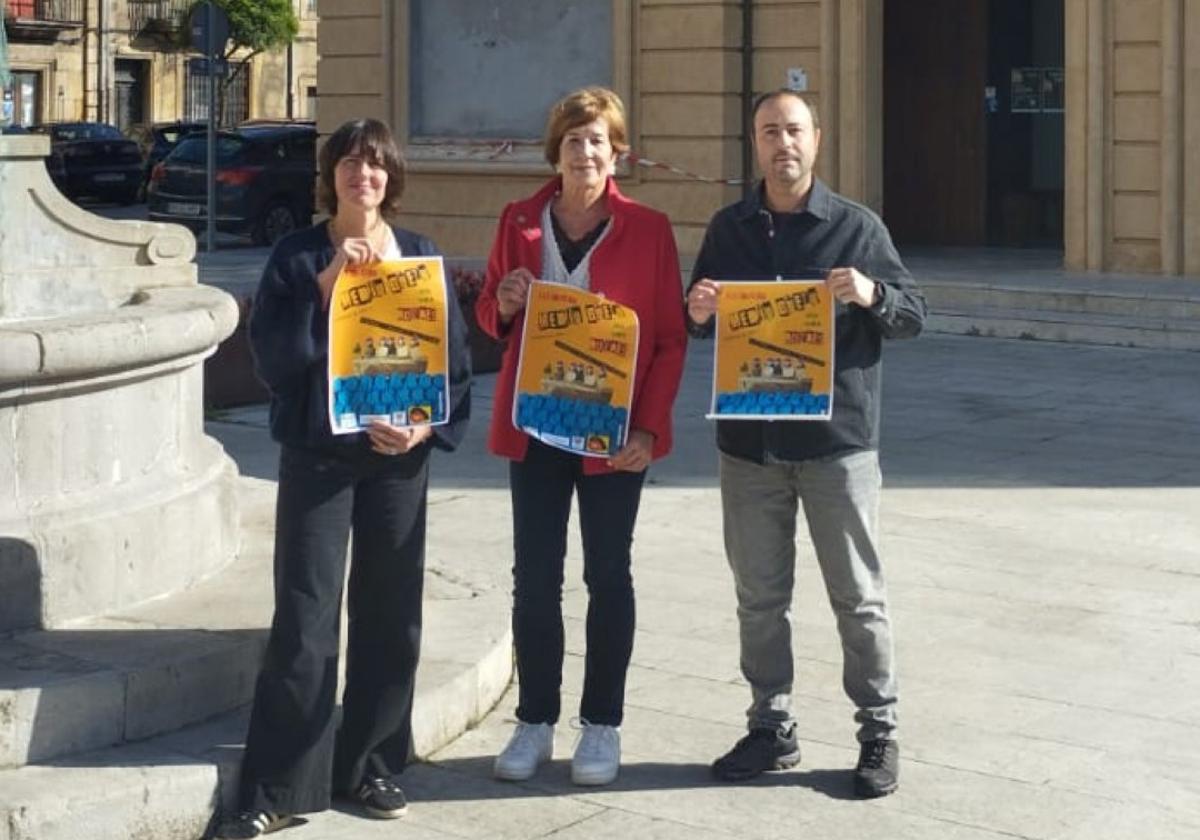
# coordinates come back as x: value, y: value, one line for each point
x: 161, y: 17
x: 68, y: 13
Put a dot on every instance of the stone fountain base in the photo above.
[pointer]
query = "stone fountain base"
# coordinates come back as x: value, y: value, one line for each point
x: 112, y: 494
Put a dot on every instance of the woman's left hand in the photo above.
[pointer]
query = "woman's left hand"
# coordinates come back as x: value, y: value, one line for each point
x: 635, y: 455
x: 390, y: 440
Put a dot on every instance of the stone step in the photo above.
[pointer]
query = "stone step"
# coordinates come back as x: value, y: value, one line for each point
x: 170, y: 787
x: 172, y: 662
x: 1152, y: 300
x: 194, y: 655
x: 1076, y: 327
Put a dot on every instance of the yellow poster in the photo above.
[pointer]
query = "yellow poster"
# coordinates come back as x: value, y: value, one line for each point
x: 575, y: 378
x: 388, y: 348
x: 774, y: 352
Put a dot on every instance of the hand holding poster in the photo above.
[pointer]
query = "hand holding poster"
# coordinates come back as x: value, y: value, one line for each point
x: 774, y: 352
x: 575, y: 377
x: 388, y: 347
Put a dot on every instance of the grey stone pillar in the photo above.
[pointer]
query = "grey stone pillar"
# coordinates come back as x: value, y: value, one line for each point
x: 110, y: 492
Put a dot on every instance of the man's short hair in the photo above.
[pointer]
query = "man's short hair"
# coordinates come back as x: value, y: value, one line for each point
x: 763, y: 98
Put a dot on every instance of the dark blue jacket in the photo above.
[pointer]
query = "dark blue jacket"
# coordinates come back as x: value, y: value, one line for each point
x: 289, y: 337
x: 745, y: 241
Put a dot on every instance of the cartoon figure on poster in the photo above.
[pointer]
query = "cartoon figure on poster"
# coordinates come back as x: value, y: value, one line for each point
x: 575, y: 378
x: 774, y: 352
x: 387, y: 346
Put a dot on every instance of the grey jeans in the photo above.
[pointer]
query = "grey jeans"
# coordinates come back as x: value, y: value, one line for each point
x: 841, y: 502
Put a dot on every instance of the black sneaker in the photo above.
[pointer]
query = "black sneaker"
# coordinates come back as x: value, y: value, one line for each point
x: 249, y: 824
x: 760, y: 751
x: 381, y: 798
x: 878, y: 770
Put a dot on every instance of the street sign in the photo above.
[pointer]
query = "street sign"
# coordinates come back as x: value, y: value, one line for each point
x: 198, y: 28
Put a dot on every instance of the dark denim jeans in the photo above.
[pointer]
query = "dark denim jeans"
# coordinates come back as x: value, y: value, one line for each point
x: 295, y: 759
x: 542, y: 486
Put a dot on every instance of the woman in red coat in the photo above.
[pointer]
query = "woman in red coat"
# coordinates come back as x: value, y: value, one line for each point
x: 580, y: 230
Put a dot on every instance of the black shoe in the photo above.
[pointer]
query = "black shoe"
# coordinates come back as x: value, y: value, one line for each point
x: 250, y: 824
x: 381, y: 798
x: 760, y: 751
x: 878, y: 770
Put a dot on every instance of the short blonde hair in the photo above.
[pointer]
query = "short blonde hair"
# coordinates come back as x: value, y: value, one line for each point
x: 580, y: 108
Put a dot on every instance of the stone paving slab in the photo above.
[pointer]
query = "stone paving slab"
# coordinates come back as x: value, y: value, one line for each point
x: 1042, y: 550
x: 1044, y: 562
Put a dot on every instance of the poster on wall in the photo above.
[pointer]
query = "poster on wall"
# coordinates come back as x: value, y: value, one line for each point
x: 774, y: 351
x: 576, y: 370
x: 388, y: 347
x: 1054, y: 81
x: 1026, y: 92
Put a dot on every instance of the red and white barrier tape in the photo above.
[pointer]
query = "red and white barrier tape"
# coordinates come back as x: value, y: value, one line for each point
x: 635, y: 158
x: 508, y: 147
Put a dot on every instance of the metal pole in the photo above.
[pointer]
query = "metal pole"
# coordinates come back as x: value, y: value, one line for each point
x: 747, y: 97
x: 211, y: 175
x: 291, y: 84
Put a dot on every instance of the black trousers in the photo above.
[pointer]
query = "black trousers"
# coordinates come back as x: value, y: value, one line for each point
x: 295, y: 759
x: 542, y: 486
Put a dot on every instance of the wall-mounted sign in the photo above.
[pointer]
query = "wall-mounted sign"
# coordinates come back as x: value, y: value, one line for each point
x: 1054, y: 88
x: 1037, y: 90
x: 1025, y: 95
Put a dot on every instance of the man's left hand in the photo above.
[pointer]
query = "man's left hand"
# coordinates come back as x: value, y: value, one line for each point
x: 849, y: 285
x: 635, y: 454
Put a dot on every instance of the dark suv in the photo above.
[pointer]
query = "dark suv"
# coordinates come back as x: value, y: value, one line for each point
x: 266, y: 175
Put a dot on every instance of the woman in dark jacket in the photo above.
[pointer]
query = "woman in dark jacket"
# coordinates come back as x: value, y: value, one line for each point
x: 371, y: 484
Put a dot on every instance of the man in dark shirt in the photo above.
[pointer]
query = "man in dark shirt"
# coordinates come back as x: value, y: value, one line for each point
x: 794, y: 227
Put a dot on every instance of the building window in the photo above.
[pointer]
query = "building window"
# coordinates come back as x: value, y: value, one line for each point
x: 482, y: 73
x: 21, y: 99
x: 237, y: 98
x: 310, y: 102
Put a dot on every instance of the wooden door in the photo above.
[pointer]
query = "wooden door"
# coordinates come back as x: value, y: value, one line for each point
x: 935, y: 155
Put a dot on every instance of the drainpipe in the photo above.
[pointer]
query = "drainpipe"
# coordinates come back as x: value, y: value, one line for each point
x: 747, y: 96
x: 291, y: 84
x: 102, y: 57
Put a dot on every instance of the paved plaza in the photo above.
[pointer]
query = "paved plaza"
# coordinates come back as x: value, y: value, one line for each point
x: 1042, y: 545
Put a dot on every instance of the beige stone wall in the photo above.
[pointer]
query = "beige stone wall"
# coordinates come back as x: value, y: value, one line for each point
x: 1132, y: 132
x: 1133, y: 125
x: 71, y: 65
x: 679, y: 68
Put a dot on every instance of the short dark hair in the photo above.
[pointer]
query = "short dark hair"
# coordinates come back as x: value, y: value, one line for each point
x: 763, y: 98
x: 580, y: 108
x: 374, y: 140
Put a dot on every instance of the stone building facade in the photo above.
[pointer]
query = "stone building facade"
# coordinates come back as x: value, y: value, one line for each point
x: 1066, y: 124
x: 119, y: 61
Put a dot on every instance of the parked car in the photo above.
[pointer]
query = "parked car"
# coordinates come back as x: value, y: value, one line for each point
x: 266, y: 176
x: 93, y: 160
x: 157, y: 140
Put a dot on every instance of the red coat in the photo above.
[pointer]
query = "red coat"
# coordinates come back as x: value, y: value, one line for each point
x: 637, y: 265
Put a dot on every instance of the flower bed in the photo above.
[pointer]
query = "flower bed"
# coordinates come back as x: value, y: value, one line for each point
x: 485, y: 350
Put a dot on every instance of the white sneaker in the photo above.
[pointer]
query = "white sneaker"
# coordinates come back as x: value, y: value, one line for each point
x: 529, y: 746
x: 597, y: 755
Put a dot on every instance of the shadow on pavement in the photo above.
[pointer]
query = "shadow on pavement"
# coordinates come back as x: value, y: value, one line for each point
x: 553, y: 779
